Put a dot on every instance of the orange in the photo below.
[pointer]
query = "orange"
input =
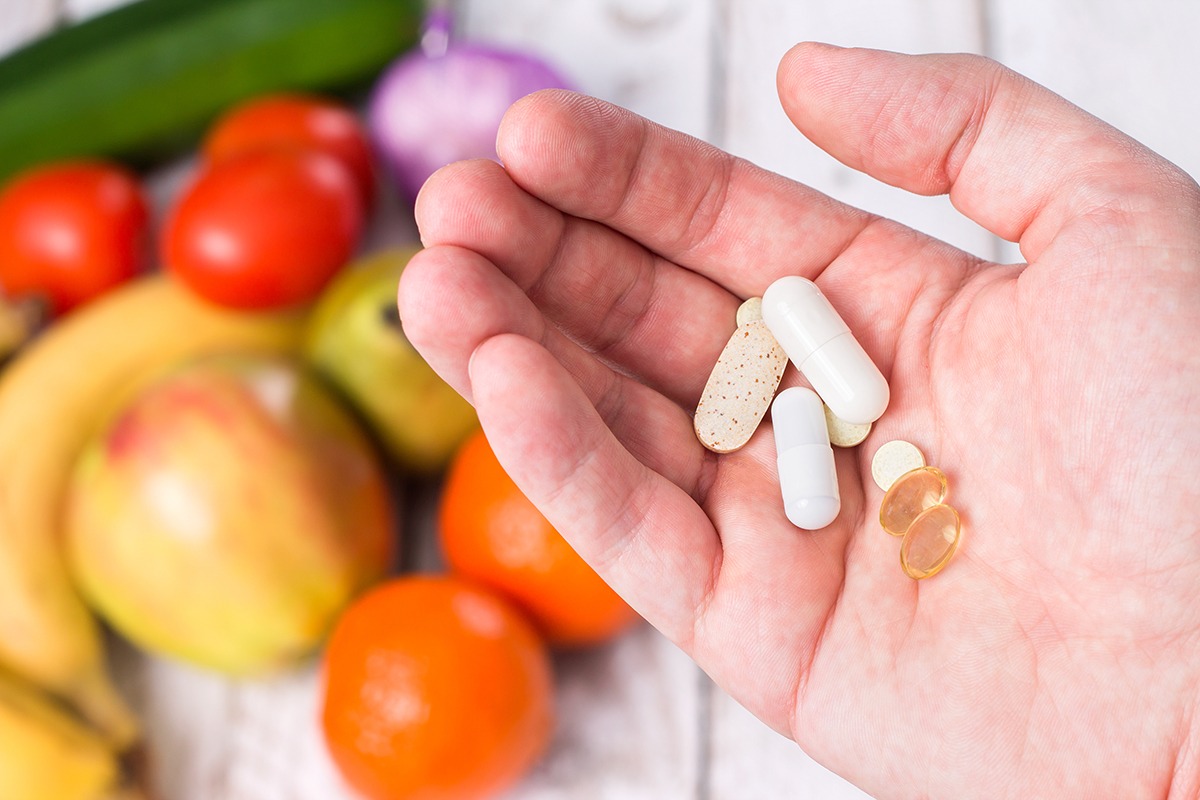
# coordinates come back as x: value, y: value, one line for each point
x: 493, y: 534
x: 435, y: 689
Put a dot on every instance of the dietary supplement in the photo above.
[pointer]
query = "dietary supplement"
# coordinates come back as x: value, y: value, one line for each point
x: 819, y: 343
x: 807, y: 475
x: 930, y: 542
x: 909, y: 496
x: 893, y: 460
x: 842, y: 433
x: 749, y: 311
x: 740, y: 388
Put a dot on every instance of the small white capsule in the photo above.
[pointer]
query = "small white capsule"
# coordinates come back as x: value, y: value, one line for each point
x: 822, y: 347
x: 807, y: 475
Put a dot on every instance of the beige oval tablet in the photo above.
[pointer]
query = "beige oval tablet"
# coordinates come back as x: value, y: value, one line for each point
x: 749, y: 311
x: 740, y: 389
x: 845, y: 434
x: 893, y: 460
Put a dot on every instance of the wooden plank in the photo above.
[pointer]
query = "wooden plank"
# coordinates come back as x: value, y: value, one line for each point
x: 22, y: 20
x: 82, y: 9
x: 652, y: 56
x: 627, y: 712
x: 627, y: 725
x: 761, y: 31
x: 1134, y: 65
x: 618, y: 735
x: 753, y: 762
x: 749, y: 760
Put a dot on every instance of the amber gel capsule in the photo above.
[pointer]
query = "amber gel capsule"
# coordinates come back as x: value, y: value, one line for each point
x: 807, y: 475
x: 910, y: 495
x: 819, y: 343
x: 930, y: 542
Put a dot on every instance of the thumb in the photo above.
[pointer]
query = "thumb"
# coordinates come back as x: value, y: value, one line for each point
x: 1013, y: 156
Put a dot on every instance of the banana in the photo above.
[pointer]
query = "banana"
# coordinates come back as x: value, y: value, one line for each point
x: 52, y: 397
x: 48, y: 755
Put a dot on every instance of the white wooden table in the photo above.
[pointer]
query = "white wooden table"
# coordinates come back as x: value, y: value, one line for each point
x: 638, y: 719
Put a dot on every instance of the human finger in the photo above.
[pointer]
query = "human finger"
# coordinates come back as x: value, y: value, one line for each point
x: 621, y: 302
x: 737, y: 224
x: 645, y: 535
x: 452, y: 300
x: 1013, y: 156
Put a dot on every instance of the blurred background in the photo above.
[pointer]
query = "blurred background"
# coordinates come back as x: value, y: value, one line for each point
x: 636, y: 718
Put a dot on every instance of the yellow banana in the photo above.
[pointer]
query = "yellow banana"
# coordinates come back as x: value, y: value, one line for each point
x: 48, y: 755
x: 52, y: 397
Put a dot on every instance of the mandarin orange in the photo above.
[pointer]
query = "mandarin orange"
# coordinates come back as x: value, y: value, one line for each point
x: 492, y: 533
x: 436, y: 689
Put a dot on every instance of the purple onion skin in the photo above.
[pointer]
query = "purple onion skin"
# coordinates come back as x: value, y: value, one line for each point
x: 428, y: 111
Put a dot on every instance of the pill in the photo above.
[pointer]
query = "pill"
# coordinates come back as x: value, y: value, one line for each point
x: 842, y: 433
x: 893, y: 460
x: 930, y: 542
x: 740, y: 388
x: 822, y: 347
x: 749, y: 311
x: 807, y: 475
x: 909, y: 496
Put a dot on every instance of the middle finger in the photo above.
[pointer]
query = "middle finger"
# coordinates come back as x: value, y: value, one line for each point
x: 661, y: 323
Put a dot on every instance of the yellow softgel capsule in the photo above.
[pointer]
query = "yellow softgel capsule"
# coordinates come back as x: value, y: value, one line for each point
x: 910, y: 495
x: 930, y: 542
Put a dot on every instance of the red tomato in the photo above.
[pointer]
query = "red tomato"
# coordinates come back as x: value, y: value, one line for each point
x: 265, y: 229
x: 71, y: 231
x: 284, y: 120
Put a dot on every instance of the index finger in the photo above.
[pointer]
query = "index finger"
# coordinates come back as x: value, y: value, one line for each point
x: 685, y: 200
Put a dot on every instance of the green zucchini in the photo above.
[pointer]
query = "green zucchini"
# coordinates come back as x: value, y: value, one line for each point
x: 140, y: 82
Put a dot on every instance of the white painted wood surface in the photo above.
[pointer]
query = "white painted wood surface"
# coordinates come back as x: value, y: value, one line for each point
x: 638, y: 720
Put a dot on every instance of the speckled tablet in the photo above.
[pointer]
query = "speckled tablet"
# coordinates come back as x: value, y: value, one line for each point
x: 740, y: 389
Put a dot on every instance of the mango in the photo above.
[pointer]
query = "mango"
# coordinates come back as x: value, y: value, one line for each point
x: 228, y: 514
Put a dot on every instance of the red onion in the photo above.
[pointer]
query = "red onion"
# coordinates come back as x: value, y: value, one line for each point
x: 443, y: 102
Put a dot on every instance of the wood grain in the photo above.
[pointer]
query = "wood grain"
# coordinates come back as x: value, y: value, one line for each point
x: 637, y: 720
x: 1134, y: 65
x: 755, y: 127
x: 22, y: 20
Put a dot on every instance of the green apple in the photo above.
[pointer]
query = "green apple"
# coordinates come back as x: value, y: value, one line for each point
x: 354, y: 340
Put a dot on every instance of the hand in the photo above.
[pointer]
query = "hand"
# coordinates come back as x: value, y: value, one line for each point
x: 580, y: 296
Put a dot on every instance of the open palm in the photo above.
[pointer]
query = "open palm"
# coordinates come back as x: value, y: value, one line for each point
x: 580, y: 295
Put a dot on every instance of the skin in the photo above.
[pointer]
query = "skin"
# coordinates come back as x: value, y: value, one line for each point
x: 580, y: 295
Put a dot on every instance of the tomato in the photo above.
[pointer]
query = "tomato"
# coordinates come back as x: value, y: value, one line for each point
x: 295, y: 121
x: 71, y: 231
x: 265, y: 229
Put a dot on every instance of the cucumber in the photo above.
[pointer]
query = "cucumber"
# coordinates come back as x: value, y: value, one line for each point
x: 141, y: 82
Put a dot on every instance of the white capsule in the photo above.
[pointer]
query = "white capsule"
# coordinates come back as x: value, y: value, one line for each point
x: 807, y: 475
x: 822, y: 347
